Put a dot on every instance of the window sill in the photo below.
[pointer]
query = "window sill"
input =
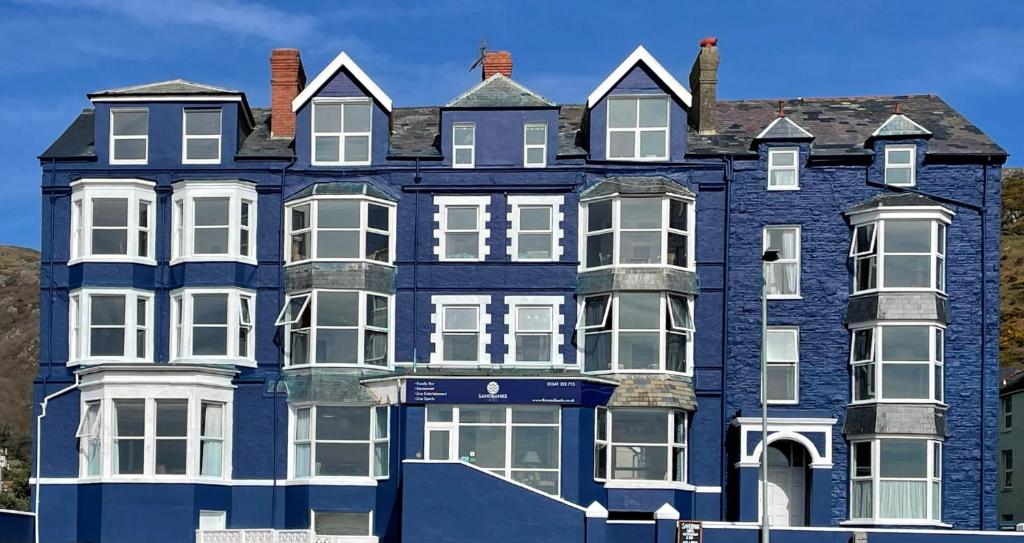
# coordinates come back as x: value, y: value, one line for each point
x: 213, y: 258
x: 636, y: 159
x: 340, y: 261
x: 352, y: 366
x: 108, y: 361
x: 772, y: 297
x: 646, y: 372
x: 896, y: 522
x: 114, y: 162
x: 200, y: 162
x: 331, y: 481
x: 653, y: 485
x: 584, y: 269
x: 898, y: 402
x: 782, y: 189
x: 340, y: 163
x: 214, y: 360
x: 112, y: 259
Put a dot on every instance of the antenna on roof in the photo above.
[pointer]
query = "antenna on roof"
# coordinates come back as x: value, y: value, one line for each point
x: 483, y: 53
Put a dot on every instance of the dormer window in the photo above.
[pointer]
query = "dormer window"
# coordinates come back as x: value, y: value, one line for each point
x: 463, y: 145
x: 201, y: 135
x: 637, y: 231
x: 899, y: 165
x: 783, y: 168
x: 535, y: 148
x: 638, y: 128
x: 129, y: 136
x: 341, y: 132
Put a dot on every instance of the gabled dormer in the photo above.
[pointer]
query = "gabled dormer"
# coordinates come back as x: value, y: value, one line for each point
x: 170, y: 124
x: 638, y: 113
x: 899, y: 144
x: 341, y: 118
x: 499, y: 122
x: 783, y: 146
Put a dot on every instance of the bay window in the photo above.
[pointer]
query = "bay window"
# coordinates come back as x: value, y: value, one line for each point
x: 337, y: 327
x: 899, y: 254
x: 171, y: 437
x: 211, y: 324
x: 339, y: 229
x: 214, y: 221
x: 211, y: 439
x: 341, y: 131
x: 110, y: 325
x: 89, y: 436
x: 637, y: 231
x: 520, y: 443
x: 340, y: 441
x: 896, y: 481
x: 637, y: 332
x: 113, y: 220
x: 640, y: 444
x: 638, y: 128
x: 129, y: 431
x: 900, y: 362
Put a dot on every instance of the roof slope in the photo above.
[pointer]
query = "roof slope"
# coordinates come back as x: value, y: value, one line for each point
x: 77, y: 141
x: 499, y: 91
x: 260, y: 145
x: 173, y: 87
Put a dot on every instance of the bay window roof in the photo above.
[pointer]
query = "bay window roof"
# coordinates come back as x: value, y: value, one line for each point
x: 656, y: 184
x: 343, y: 188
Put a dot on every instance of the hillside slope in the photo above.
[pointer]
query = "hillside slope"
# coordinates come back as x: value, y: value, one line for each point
x: 1011, y: 331
x: 19, y: 336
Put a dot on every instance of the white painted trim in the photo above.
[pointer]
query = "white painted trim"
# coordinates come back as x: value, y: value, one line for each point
x: 798, y: 260
x: 640, y: 54
x: 361, y: 327
x: 370, y: 479
x: 861, y: 527
x: 182, y: 299
x: 314, y: 228
x: 135, y: 192
x: 795, y: 331
x: 772, y: 152
x: 341, y: 134
x: 887, y: 150
x: 457, y: 147
x: 339, y: 62
x: 482, y: 203
x: 112, y: 138
x: 893, y: 117
x: 638, y: 130
x: 353, y: 481
x: 583, y: 232
x: 596, y: 510
x: 554, y: 303
x: 79, y: 324
x: 185, y: 137
x: 666, y: 512
x: 183, y: 227
x: 671, y: 485
x: 555, y: 202
x: 777, y: 120
x: 781, y: 428
x: 527, y: 146
x: 437, y: 317
x: 13, y: 512
x: 139, y: 98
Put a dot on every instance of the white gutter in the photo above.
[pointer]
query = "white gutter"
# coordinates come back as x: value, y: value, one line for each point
x: 39, y: 447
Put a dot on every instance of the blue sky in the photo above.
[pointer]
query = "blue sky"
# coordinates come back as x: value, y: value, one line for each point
x: 55, y: 51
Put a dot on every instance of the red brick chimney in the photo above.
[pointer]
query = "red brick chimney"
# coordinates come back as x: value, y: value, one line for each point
x: 497, y: 62
x: 287, y: 79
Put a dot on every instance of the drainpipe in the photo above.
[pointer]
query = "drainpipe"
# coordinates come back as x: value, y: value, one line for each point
x: 39, y: 445
x: 725, y: 324
x: 280, y: 367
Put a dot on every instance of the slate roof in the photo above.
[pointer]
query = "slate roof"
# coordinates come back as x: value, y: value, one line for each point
x: 499, y: 91
x: 663, y: 391
x: 77, y: 141
x: 655, y: 184
x: 900, y: 125
x: 901, y: 199
x: 414, y: 133
x: 173, y: 87
x: 259, y: 145
x: 783, y: 128
x: 335, y: 188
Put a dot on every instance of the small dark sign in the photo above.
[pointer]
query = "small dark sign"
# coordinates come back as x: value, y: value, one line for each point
x: 688, y: 531
x: 499, y: 390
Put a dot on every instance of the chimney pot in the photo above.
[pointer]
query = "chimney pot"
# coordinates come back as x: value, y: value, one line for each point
x: 704, y: 86
x: 710, y: 41
x: 287, y: 79
x: 497, y: 62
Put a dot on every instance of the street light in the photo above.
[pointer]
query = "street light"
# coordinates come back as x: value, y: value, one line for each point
x: 771, y: 255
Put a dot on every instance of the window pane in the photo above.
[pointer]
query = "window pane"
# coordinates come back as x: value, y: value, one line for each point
x: 597, y: 351
x: 908, y: 236
x: 482, y: 414
x: 130, y: 418
x: 130, y: 149
x: 621, y: 145
x: 782, y: 178
x: 337, y: 308
x: 342, y: 459
x: 861, y: 504
x: 534, y: 319
x: 357, y: 117
x: 110, y: 212
x: 462, y: 218
x: 106, y: 342
x: 211, y: 341
x: 462, y: 245
x: 302, y: 459
x: 640, y: 310
x: 337, y: 244
x: 375, y: 348
x: 535, y: 218
x: 129, y: 457
x: 332, y: 523
x: 172, y: 418
x: 439, y: 447
x: 639, y: 426
x: 357, y: 148
x: 300, y: 217
x: 377, y: 217
x: 640, y: 248
x: 534, y: 415
x: 327, y: 117
x: 337, y: 214
x: 533, y: 347
x: 210, y: 241
x: 202, y: 123
x: 638, y: 350
x: 377, y: 247
x: 535, y: 135
x: 463, y: 156
x: 678, y: 214
x: 327, y: 148
x: 640, y: 462
x: 107, y: 310
x: 898, y: 156
x: 535, y: 155
x: 460, y: 318
x: 210, y: 309
x: 681, y: 317
x: 534, y: 246
x: 675, y: 352
x: 376, y: 311
x: 905, y: 381
x: 908, y: 271
x: 783, y: 240
x: 337, y: 346
x: 110, y: 242
x: 862, y: 344
x: 464, y: 135
x: 781, y: 346
x: 780, y: 382
x: 439, y: 413
x: 622, y: 113
x: 640, y: 213
x: 905, y: 343
x: 595, y: 310
x: 903, y: 458
x: 864, y: 382
x: 782, y: 158
x: 599, y: 215
x: 862, y: 459
x: 212, y: 211
x: 652, y: 144
x: 599, y: 250
x: 170, y: 457
x: 654, y: 113
x: 535, y: 447
x: 482, y: 446
x: 460, y: 348
x: 130, y: 123
x: 342, y: 423
x: 202, y: 149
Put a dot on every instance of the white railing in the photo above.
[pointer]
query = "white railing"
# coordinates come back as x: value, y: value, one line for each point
x: 275, y: 536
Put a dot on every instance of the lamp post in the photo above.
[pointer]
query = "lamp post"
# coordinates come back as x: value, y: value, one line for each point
x: 771, y: 255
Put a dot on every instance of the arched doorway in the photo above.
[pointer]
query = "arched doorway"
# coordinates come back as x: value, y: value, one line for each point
x: 787, y: 483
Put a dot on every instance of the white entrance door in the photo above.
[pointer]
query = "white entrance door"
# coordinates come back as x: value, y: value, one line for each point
x: 786, y: 496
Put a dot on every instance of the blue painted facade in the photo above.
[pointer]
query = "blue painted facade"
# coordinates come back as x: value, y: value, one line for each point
x: 447, y: 501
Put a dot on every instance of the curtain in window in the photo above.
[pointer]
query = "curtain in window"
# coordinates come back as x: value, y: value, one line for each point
x: 789, y: 271
x: 903, y: 499
x: 860, y: 500
x: 302, y: 450
x: 117, y: 448
x: 212, y: 453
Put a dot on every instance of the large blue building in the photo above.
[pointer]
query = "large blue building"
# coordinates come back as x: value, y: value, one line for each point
x: 341, y: 317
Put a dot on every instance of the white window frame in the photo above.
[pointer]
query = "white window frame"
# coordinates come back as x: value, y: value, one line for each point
x: 637, y: 130
x: 773, y: 153
x: 182, y: 312
x: 795, y: 364
x: 371, y: 477
x: 671, y: 444
x: 195, y: 387
x: 185, y: 137
x: 939, y: 220
x: 889, y: 149
x: 1006, y: 481
x: 936, y: 349
x: 933, y: 452
x: 452, y: 427
x: 183, y: 218
x: 308, y: 299
x: 367, y: 538
x: 340, y: 135
x: 137, y: 192
x: 218, y: 518
x: 313, y: 229
x: 527, y: 146
x: 79, y: 326
x: 113, y: 139
x: 554, y: 304
x: 440, y: 302
x: 471, y: 147
x: 1007, y: 414
x: 666, y: 326
x: 90, y: 434
x: 798, y: 260
x: 616, y: 230
x: 517, y: 202
x: 483, y: 217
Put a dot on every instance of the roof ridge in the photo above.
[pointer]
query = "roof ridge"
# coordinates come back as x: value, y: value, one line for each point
x: 180, y: 81
x: 776, y: 100
x: 491, y: 80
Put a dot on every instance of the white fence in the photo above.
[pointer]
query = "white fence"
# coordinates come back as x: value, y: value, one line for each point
x: 274, y: 536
